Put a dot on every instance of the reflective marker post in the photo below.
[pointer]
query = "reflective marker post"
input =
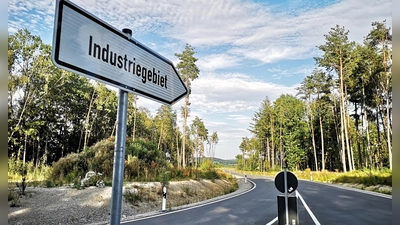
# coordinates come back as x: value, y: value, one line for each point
x: 164, y: 199
x: 119, y: 154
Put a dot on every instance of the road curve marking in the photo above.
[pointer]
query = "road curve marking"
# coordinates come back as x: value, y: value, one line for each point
x: 193, y: 207
x: 272, y: 221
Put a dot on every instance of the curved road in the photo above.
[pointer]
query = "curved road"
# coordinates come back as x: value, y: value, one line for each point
x: 331, y: 205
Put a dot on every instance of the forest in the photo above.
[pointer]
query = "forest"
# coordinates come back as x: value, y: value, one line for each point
x: 53, y: 113
x: 341, y: 116
x: 340, y: 119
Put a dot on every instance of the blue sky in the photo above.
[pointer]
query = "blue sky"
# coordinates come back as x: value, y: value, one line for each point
x: 247, y: 50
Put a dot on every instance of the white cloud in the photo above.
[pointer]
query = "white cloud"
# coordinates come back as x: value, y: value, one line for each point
x: 217, y: 61
x: 249, y: 30
x: 216, y: 93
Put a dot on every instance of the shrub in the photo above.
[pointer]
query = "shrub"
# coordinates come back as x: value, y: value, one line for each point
x: 13, y: 198
x: 134, y: 196
x: 206, y: 164
x: 100, y: 157
x: 131, y: 167
x: 65, y: 165
x: 22, y: 186
x: 165, y: 178
x: 186, y: 190
x: 211, y: 175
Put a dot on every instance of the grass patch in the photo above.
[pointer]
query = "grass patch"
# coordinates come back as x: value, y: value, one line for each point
x: 366, y: 177
x: 372, y: 180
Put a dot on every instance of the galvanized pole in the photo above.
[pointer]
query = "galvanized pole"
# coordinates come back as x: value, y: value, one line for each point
x: 286, y: 196
x: 119, y: 154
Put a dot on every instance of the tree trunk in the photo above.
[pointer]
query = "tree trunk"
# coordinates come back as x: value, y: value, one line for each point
x: 159, y: 140
x: 134, y: 120
x: 177, y: 148
x: 368, y: 142
x: 24, y: 158
x: 272, y: 144
x: 342, y: 123
x: 313, y: 143
x: 87, y: 130
x: 185, y: 115
x: 268, y: 152
x: 37, y: 154
x: 46, y: 151
x: 379, y: 147
x: 322, y: 144
x: 358, y: 136
x: 346, y: 129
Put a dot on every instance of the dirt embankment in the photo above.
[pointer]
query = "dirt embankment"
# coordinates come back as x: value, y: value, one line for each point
x: 64, y: 205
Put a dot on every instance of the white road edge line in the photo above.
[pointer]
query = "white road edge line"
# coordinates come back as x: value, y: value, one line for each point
x: 354, y: 189
x: 193, y: 207
x: 308, y: 209
x: 272, y: 221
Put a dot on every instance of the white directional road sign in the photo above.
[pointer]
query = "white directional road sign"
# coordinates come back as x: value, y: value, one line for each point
x: 86, y: 45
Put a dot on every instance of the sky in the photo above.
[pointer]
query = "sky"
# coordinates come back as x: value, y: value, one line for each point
x: 247, y: 50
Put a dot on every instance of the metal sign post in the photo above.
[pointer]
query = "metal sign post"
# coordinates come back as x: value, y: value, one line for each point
x: 119, y: 154
x: 286, y: 182
x: 286, y: 196
x: 119, y: 157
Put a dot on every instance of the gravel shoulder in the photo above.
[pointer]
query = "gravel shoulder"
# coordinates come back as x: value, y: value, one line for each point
x: 65, y: 205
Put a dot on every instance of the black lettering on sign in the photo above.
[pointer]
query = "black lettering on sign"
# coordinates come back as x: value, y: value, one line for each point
x: 122, y: 61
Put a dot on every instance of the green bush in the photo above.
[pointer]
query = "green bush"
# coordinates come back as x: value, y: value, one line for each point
x: 210, y: 175
x: 206, y: 164
x: 13, y: 198
x: 131, y: 168
x: 134, y: 197
x: 165, y: 178
x: 98, y: 158
x: 64, y: 166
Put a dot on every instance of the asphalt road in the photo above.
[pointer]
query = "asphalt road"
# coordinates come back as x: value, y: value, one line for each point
x: 331, y: 205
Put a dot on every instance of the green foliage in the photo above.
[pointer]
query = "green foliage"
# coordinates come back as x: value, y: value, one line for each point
x: 165, y: 177
x: 74, y: 166
x: 187, y: 66
x: 17, y: 170
x: 64, y: 166
x: 206, y: 164
x: 134, y: 196
x: 366, y: 177
x: 233, y: 185
x: 132, y: 167
x: 49, y: 184
x: 100, y: 157
x: 13, y: 198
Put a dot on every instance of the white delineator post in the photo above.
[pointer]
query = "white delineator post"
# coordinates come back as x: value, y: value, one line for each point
x: 245, y: 178
x: 164, y: 199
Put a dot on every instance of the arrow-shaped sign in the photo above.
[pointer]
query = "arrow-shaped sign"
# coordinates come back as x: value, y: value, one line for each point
x: 86, y: 45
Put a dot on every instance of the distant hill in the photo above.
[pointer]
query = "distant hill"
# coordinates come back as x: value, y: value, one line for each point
x: 225, y: 162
